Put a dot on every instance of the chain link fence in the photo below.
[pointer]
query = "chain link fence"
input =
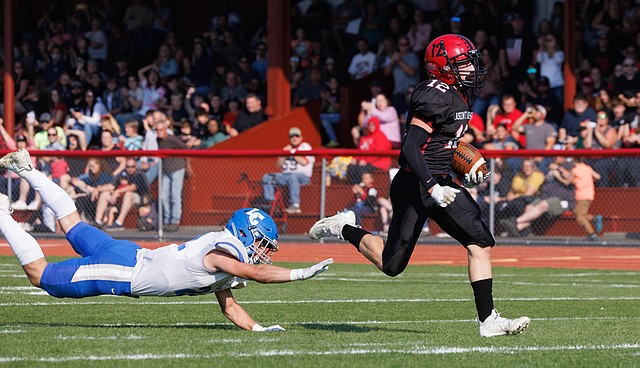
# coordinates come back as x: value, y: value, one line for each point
x: 187, y: 193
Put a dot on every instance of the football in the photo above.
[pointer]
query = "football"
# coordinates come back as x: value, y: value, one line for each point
x: 467, y: 159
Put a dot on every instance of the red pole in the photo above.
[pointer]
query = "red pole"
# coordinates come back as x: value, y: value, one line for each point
x: 278, y: 87
x: 570, y: 53
x: 9, y: 90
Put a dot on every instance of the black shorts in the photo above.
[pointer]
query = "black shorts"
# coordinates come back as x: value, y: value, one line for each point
x: 412, y: 205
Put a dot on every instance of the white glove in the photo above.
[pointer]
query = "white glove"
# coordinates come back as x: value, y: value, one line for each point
x: 475, y: 179
x: 444, y: 196
x: 274, y: 328
x: 309, y: 272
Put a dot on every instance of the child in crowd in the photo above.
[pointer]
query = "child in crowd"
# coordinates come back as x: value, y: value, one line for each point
x: 132, y: 141
x: 583, y: 179
x: 186, y: 134
x: 365, y: 197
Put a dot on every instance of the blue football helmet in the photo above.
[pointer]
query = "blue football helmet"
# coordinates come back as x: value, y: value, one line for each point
x: 250, y: 225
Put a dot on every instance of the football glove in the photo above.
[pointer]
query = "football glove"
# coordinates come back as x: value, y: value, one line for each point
x: 474, y: 179
x: 274, y: 328
x: 444, y: 196
x: 309, y: 272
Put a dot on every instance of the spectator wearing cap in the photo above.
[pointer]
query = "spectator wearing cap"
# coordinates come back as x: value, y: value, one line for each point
x: 539, y: 134
x: 550, y: 102
x: 252, y: 115
x: 41, y: 139
x: 574, y: 119
x: 586, y: 88
x: 76, y: 95
x: 54, y: 140
x: 629, y: 80
x: 90, y: 115
x: 515, y: 52
x: 598, y: 137
x: 296, y: 171
x: 364, y: 62
x: 551, y: 58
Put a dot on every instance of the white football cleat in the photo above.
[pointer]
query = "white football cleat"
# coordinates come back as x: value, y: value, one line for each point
x: 332, y: 226
x: 17, y: 161
x: 5, y: 204
x: 495, y: 325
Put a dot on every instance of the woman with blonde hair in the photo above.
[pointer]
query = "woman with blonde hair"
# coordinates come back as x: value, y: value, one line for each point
x: 109, y: 123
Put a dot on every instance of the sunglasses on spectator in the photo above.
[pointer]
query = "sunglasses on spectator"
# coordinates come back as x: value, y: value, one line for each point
x: 52, y: 134
x: 131, y: 166
x: 294, y: 135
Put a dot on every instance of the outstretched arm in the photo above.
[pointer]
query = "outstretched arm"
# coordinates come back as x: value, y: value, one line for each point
x: 266, y: 274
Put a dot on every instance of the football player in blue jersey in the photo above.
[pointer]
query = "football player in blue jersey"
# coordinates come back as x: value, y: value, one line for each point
x: 214, y: 262
x: 438, y: 117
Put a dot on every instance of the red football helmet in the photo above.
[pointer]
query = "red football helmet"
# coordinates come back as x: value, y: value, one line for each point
x: 445, y: 56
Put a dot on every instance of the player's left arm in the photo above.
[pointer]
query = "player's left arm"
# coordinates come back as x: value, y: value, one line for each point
x: 233, y: 311
x: 263, y: 273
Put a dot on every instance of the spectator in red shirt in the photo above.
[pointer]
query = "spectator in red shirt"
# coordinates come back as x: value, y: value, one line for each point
x: 375, y: 140
x: 507, y: 113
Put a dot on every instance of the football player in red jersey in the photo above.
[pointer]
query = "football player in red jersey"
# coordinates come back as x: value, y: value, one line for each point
x: 438, y: 117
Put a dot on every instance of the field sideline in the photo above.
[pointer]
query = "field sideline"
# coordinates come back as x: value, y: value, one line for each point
x: 607, y: 258
x: 583, y: 303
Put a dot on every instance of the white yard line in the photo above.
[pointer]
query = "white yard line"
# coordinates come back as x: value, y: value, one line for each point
x: 316, y: 301
x: 417, y: 350
x: 332, y: 323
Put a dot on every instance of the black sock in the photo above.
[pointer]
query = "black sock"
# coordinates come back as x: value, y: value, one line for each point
x: 482, y: 291
x: 353, y: 235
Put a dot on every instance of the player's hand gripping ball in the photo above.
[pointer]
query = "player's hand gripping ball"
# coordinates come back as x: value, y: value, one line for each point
x: 469, y: 164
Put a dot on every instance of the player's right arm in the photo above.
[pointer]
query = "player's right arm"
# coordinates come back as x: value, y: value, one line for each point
x: 417, y: 134
x: 219, y: 261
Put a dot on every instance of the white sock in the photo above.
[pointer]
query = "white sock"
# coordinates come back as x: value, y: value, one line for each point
x: 23, y: 245
x: 54, y: 196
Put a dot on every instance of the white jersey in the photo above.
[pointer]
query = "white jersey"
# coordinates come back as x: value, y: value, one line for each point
x: 175, y: 270
x: 290, y: 164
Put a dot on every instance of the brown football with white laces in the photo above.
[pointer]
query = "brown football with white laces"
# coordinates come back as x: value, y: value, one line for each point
x: 467, y: 159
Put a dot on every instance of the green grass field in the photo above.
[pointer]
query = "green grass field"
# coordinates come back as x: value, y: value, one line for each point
x: 350, y: 316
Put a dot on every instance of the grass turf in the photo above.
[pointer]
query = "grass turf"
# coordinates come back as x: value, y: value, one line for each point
x: 349, y: 316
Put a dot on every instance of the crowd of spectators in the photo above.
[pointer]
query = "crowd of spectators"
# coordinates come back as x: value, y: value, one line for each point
x: 103, y: 75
